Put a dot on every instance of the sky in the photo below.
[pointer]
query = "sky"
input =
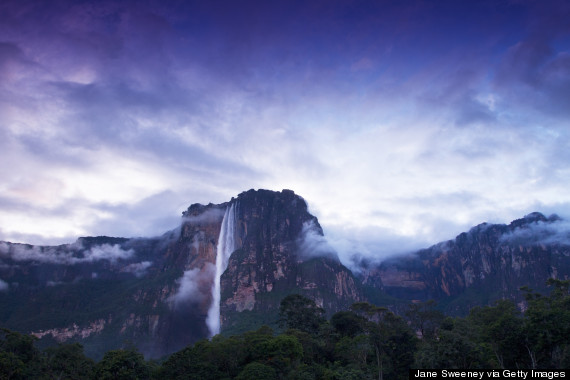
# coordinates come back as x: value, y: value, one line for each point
x: 401, y: 123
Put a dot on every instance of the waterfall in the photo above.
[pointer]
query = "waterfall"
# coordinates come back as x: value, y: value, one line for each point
x: 225, y: 247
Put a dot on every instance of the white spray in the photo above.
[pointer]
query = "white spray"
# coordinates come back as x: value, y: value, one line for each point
x: 224, y: 249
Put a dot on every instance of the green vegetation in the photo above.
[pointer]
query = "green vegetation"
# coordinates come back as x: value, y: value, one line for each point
x: 365, y: 342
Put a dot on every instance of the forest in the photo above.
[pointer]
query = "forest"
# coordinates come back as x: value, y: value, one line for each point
x: 365, y: 342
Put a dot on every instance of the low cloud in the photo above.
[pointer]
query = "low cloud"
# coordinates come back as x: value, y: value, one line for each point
x: 195, y: 285
x: 353, y: 246
x: 138, y: 269
x: 539, y: 232
x: 211, y: 215
x: 313, y: 244
x: 106, y: 252
x: 67, y: 255
x: 357, y: 246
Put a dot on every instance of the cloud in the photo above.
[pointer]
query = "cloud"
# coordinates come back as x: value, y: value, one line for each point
x: 138, y: 269
x: 536, y: 75
x: 105, y: 252
x: 355, y: 244
x: 210, y: 215
x: 140, y: 218
x: 194, y: 286
x: 11, y: 55
x: 540, y: 232
x: 68, y: 255
x: 313, y: 244
x: 3, y: 286
x: 121, y: 114
x: 472, y: 110
x: 535, y: 71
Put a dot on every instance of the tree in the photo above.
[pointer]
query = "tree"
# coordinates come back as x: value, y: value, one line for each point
x: 547, y: 326
x: 192, y: 363
x: 257, y: 371
x: 393, y: 341
x: 354, y: 350
x: 456, y: 348
x: 67, y: 361
x: 348, y: 323
x: 283, y: 353
x: 299, y: 312
x: 228, y: 354
x: 11, y: 366
x: 500, y: 328
x: 19, y: 358
x: 255, y: 343
x: 122, y: 365
x: 424, y: 318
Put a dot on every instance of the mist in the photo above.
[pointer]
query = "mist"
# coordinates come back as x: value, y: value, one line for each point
x: 66, y: 255
x: 194, y: 286
x: 211, y: 215
x: 551, y: 232
x: 312, y: 244
x: 138, y: 269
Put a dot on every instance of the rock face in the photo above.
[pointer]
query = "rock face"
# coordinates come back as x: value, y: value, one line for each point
x: 489, y: 262
x: 280, y: 250
x: 156, y: 292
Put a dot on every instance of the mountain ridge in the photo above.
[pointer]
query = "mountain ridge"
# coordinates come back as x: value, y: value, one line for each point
x: 157, y: 293
x: 491, y: 257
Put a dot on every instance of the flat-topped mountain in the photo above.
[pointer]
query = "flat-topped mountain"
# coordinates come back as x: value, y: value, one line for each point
x: 490, y: 262
x: 226, y: 268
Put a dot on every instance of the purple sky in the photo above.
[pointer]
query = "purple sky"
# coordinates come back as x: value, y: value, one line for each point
x: 402, y: 123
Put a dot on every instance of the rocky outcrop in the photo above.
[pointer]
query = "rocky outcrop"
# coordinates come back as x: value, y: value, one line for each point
x: 64, y: 334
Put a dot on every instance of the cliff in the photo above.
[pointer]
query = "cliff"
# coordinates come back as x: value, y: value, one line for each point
x: 490, y: 262
x: 244, y: 256
x: 157, y: 293
x: 278, y: 253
